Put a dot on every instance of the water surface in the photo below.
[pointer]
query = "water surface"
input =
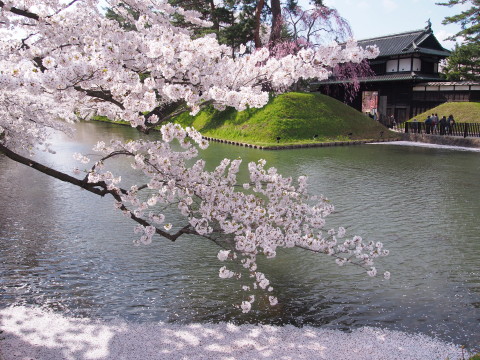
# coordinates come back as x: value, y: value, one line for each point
x: 70, y: 250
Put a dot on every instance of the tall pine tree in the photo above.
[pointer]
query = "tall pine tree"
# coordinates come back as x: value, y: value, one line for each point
x: 469, y: 20
x: 464, y: 62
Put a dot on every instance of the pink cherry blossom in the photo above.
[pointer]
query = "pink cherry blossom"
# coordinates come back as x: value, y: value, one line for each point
x: 64, y: 61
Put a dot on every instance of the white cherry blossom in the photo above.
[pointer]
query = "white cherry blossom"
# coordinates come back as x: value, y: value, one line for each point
x: 63, y: 61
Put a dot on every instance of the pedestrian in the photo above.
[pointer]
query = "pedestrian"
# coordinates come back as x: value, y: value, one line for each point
x: 443, y: 125
x: 428, y: 124
x: 415, y: 126
x: 434, y: 123
x: 451, y: 123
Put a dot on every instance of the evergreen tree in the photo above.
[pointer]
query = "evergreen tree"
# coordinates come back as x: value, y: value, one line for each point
x: 464, y: 63
x: 469, y: 20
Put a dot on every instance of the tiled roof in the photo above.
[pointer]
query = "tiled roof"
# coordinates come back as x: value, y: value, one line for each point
x: 424, y: 50
x: 386, y: 77
x: 405, y: 43
x: 400, y: 76
x: 449, y: 83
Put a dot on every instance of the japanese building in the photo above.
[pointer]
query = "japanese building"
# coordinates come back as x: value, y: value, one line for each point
x: 406, y: 79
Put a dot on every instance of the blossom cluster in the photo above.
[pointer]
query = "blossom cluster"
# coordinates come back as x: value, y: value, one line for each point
x: 70, y: 60
x: 60, y: 61
x: 255, y: 219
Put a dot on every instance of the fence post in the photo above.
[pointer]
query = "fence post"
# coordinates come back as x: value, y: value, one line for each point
x: 465, y: 133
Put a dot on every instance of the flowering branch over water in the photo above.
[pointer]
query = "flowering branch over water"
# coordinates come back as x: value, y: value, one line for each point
x: 59, y: 62
x: 267, y: 213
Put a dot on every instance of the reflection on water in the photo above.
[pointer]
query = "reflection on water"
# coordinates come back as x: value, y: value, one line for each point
x: 70, y: 250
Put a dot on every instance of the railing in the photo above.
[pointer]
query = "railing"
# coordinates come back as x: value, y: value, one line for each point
x: 458, y: 129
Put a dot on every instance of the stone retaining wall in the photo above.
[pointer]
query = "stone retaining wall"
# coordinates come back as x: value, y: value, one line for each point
x: 443, y: 140
x: 296, y: 146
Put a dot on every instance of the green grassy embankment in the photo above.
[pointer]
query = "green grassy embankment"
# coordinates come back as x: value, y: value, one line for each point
x: 293, y: 117
x: 106, y: 119
x: 466, y: 112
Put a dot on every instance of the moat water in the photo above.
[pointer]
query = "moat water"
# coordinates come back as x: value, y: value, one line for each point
x: 71, y: 251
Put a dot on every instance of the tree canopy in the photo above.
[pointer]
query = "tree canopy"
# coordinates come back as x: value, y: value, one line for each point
x: 464, y: 62
x: 261, y: 23
x: 469, y: 20
x: 64, y: 62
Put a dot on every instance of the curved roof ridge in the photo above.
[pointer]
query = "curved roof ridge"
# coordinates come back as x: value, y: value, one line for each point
x: 394, y: 35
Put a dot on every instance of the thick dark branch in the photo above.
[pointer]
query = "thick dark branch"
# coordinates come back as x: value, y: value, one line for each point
x: 24, y: 44
x: 115, y: 153
x: 164, y: 113
x: 101, y: 94
x: 24, y: 13
x: 99, y: 188
x: 185, y: 230
x: 38, y: 62
x: 66, y: 6
x: 93, y: 188
x: 167, y: 113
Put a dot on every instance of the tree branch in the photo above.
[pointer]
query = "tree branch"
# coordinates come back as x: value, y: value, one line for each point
x: 24, y: 13
x: 93, y: 188
x: 66, y: 7
x: 101, y: 94
x: 99, y: 188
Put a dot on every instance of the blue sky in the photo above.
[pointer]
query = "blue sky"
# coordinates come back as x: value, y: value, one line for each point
x: 372, y: 18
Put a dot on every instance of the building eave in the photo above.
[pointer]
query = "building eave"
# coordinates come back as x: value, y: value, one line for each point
x: 410, y: 42
x: 384, y: 78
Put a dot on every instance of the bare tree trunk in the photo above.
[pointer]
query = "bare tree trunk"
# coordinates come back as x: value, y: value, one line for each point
x: 276, y: 30
x: 258, y: 13
x: 216, y: 23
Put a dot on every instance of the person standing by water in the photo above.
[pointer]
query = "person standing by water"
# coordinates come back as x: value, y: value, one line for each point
x: 443, y: 125
x: 434, y: 123
x: 415, y: 126
x: 451, y: 123
x: 428, y: 124
x: 391, y: 122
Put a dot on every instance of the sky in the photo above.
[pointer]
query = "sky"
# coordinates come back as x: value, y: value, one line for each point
x: 372, y: 18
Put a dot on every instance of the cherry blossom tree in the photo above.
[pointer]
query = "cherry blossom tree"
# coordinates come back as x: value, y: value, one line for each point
x: 316, y: 25
x: 64, y: 61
